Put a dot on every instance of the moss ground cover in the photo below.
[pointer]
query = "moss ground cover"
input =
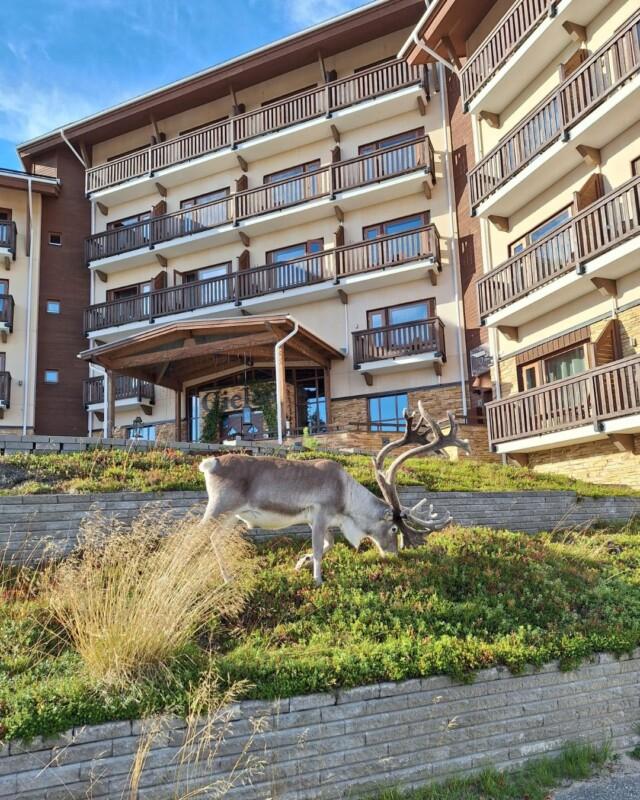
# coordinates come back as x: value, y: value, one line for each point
x: 167, y: 470
x: 468, y: 599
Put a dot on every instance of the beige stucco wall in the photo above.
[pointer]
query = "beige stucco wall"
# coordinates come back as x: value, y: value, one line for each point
x: 18, y: 277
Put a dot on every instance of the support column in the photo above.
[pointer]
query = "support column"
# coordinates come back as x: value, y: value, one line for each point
x: 178, y: 416
x: 327, y: 393
x: 281, y: 392
x: 111, y: 403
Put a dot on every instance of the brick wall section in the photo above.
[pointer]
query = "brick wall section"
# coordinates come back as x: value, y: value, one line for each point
x: 630, y: 329
x: 350, y: 742
x: 33, y: 525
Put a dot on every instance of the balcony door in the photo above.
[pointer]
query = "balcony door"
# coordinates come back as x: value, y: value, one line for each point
x: 128, y: 234
x: 411, y: 333
x: 208, y: 211
x: 406, y: 245
x: 211, y: 286
x: 397, y: 160
x: 132, y: 303
x: 293, y: 267
x: 292, y: 185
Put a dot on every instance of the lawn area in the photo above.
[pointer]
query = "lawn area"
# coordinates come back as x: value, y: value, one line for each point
x: 466, y: 600
x: 167, y: 470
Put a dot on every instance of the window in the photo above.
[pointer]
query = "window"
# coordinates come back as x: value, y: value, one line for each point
x: 214, y: 211
x: 127, y: 222
x: 405, y: 247
x: 391, y: 141
x: 408, y: 335
x: 385, y: 413
x: 146, y: 432
x: 206, y: 273
x: 4, y: 291
x: 4, y: 286
x: 311, y: 403
x: 51, y: 376
x: 396, y: 315
x: 294, y: 268
x: 554, y: 366
x: 3, y: 362
x: 292, y: 185
x: 538, y: 233
x: 124, y: 292
x: 202, y: 199
x: 55, y: 238
x: 212, y: 291
x: 53, y: 306
x: 292, y: 172
x: 397, y: 160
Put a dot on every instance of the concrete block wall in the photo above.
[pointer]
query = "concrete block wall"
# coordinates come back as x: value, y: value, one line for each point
x: 32, y: 524
x: 351, y: 742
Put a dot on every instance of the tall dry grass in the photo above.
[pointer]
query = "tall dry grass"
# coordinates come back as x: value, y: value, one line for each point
x: 132, y: 597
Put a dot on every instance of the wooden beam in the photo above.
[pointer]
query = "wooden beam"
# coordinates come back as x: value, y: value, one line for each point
x: 590, y: 155
x: 510, y: 332
x: 102, y: 276
x: 623, y: 442
x: 154, y: 128
x: 161, y: 260
x: 7, y: 263
x: 281, y: 389
x: 501, y: 223
x: 339, y: 213
x: 3, y: 335
x: 111, y: 403
x: 577, y: 32
x: 344, y: 297
x: 336, y: 134
x: 368, y: 378
x: 104, y: 210
x: 243, y: 164
x: 178, y: 416
x: 296, y: 344
x: 162, y: 371
x: 323, y: 70
x: 433, y: 277
x: 162, y: 190
x: 451, y: 52
x: 521, y: 459
x: 606, y: 286
x: 246, y: 241
x: 422, y: 106
x: 492, y: 120
x: 426, y: 188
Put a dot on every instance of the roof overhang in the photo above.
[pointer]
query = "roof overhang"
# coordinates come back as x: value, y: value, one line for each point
x: 15, y: 179
x: 179, y: 353
x: 444, y: 28
x: 346, y: 31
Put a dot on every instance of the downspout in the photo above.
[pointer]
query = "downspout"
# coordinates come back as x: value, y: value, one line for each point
x: 27, y: 350
x: 63, y: 136
x: 278, y: 347
x: 426, y: 49
x: 453, y: 223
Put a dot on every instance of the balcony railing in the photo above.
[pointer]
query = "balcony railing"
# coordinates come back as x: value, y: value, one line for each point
x: 592, y: 397
x: 330, y: 265
x: 591, y: 84
x: 392, y: 341
x: 317, y: 102
x: 323, y: 182
x: 7, y: 308
x: 126, y: 388
x: 5, y: 390
x: 507, y: 36
x: 608, y: 222
x: 8, y: 233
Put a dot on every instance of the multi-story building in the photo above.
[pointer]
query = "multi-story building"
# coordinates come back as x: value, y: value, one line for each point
x: 551, y: 91
x: 306, y: 191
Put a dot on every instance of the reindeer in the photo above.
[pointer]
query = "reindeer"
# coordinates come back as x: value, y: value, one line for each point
x: 274, y: 493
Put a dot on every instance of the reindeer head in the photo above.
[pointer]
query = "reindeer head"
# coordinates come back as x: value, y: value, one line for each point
x: 417, y: 522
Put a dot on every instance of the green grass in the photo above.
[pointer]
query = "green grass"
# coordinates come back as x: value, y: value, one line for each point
x: 170, y: 470
x: 533, y: 781
x: 467, y: 600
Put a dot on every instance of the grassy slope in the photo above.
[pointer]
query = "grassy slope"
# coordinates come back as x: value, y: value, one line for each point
x: 466, y: 600
x: 165, y: 470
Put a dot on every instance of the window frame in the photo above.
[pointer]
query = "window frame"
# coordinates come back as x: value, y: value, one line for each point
x: 59, y: 304
x: 379, y: 144
x: 270, y: 253
x: 308, y: 168
x: 55, y: 244
x: 51, y: 372
x: 426, y: 216
x: 525, y: 239
x: 429, y: 301
x: 193, y: 200
x: 137, y: 286
x: 187, y: 277
x: 377, y: 425
x: 116, y: 224
x: 538, y: 365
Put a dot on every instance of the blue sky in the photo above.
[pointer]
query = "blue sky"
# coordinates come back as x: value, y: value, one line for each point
x: 63, y: 59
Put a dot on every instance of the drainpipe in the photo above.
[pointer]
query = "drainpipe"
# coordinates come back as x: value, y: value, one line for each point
x: 425, y: 49
x: 280, y: 378
x: 72, y: 148
x: 27, y: 350
x: 453, y: 223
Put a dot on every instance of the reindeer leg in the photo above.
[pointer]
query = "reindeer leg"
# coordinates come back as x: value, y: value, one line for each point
x: 307, y: 559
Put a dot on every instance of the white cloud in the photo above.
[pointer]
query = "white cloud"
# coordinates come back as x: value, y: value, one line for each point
x: 308, y: 12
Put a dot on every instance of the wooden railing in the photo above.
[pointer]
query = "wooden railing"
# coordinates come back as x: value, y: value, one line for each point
x: 270, y: 197
x: 8, y: 233
x: 507, y: 36
x: 5, y: 389
x: 317, y: 102
x: 126, y: 388
x: 592, y: 83
x: 589, y: 398
x: 604, y: 224
x: 392, y: 341
x: 329, y: 265
x: 7, y: 308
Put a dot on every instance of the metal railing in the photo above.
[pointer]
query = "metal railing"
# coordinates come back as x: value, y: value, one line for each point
x: 513, y: 29
x: 5, y: 390
x: 405, y: 339
x: 317, y: 102
x: 592, y: 397
x: 126, y: 388
x: 7, y: 309
x: 8, y: 233
x: 591, y: 84
x: 607, y: 222
x: 329, y: 265
x: 325, y: 181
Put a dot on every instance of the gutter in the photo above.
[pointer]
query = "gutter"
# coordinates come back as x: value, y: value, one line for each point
x: 27, y: 349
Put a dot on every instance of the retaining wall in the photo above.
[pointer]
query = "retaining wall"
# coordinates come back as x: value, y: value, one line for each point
x: 350, y: 742
x: 30, y: 523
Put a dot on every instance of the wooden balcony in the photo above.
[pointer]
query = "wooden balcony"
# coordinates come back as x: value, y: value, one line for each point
x: 5, y: 391
x: 7, y: 309
x: 591, y: 398
x: 314, y: 103
x: 395, y: 341
x: 126, y: 388
x: 602, y: 74
x: 387, y: 252
x: 8, y: 233
x: 605, y: 224
x: 324, y: 182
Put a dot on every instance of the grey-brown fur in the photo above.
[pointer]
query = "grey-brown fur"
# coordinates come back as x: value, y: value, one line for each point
x: 274, y: 493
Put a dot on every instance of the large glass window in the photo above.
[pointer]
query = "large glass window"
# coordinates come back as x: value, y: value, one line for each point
x: 405, y: 245
x: 565, y: 365
x: 311, y: 403
x: 214, y: 211
x: 385, y: 413
x: 146, y: 432
x: 535, y: 235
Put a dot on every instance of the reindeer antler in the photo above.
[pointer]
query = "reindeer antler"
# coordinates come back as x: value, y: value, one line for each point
x: 422, y: 430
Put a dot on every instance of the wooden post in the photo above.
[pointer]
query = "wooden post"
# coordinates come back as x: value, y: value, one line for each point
x: 327, y: 393
x: 281, y: 392
x: 111, y: 403
x: 178, y: 415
